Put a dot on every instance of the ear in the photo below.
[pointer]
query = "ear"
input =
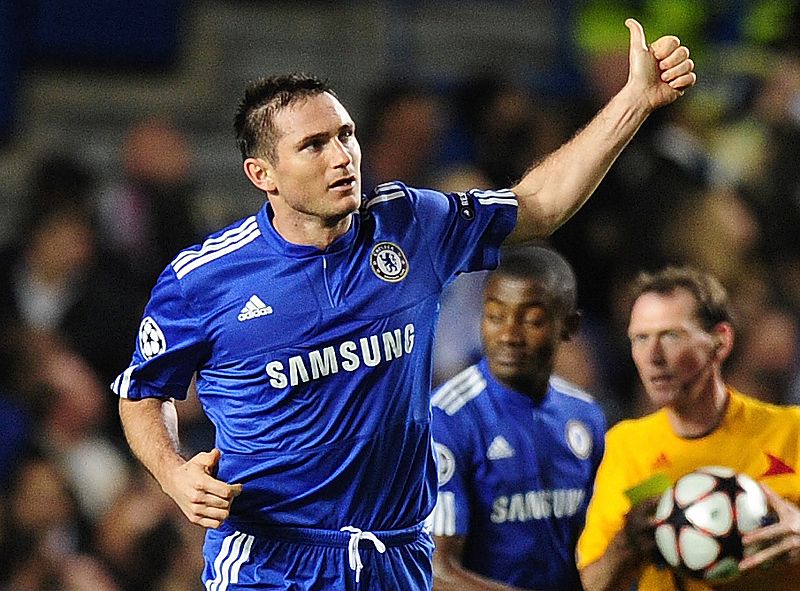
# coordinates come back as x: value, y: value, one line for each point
x: 723, y: 335
x: 570, y: 326
x: 259, y: 172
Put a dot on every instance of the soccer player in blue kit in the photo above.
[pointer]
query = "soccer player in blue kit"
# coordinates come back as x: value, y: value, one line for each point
x: 518, y: 447
x: 309, y: 328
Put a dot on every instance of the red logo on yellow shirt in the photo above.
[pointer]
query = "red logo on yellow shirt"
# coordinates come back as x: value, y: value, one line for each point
x: 662, y: 461
x: 776, y: 466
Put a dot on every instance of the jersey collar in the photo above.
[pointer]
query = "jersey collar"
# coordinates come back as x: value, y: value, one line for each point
x: 298, y: 251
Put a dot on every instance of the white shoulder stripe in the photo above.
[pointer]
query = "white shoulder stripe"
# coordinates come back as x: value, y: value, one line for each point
x: 387, y: 188
x: 385, y: 197
x: 216, y: 252
x: 570, y: 389
x: 215, y: 243
x: 456, y: 392
x: 504, y: 193
x: 497, y: 201
x: 122, y: 384
x: 499, y: 197
x: 443, y: 519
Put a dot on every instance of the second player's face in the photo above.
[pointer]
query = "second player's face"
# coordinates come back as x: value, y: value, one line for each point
x: 675, y: 357
x: 317, y: 170
x: 520, y: 332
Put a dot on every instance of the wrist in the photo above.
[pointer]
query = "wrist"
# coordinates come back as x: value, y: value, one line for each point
x: 634, y: 99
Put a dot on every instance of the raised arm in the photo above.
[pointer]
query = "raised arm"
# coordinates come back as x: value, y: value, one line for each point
x: 151, y: 428
x: 554, y: 189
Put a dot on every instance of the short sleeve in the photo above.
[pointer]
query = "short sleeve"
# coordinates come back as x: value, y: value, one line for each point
x: 608, y: 505
x: 463, y: 232
x: 453, y: 460
x: 169, y: 347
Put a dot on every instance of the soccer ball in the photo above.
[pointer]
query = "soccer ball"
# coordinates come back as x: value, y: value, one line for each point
x: 699, y: 522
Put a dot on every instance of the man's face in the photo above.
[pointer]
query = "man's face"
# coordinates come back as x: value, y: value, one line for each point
x: 317, y: 168
x: 676, y: 358
x: 520, y: 330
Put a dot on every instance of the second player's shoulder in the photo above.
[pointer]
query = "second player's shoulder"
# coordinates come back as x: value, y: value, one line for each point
x: 456, y: 396
x: 763, y: 416
x: 637, y: 431
x: 574, y: 399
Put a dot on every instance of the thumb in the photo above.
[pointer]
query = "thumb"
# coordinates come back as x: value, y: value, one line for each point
x: 638, y: 42
x: 208, y: 459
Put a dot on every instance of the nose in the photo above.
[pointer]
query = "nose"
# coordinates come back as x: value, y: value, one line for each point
x: 510, y: 332
x: 656, y: 352
x: 341, y: 155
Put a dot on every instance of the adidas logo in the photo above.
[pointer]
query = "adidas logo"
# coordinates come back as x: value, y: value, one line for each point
x: 499, y: 449
x: 253, y: 309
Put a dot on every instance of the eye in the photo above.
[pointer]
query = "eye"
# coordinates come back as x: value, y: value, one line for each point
x: 314, y: 145
x: 535, y: 321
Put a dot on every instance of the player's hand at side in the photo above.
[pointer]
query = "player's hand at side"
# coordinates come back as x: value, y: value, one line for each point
x: 204, y: 500
x: 778, y: 543
x: 660, y: 72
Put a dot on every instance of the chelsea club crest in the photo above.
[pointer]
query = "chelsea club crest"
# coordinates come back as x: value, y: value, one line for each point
x: 388, y: 262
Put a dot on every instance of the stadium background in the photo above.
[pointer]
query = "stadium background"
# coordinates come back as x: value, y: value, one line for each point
x: 117, y: 149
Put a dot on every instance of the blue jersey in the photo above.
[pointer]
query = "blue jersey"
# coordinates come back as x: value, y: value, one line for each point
x: 315, y: 365
x: 515, y: 476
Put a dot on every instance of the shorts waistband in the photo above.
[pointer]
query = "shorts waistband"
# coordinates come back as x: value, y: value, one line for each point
x: 328, y: 537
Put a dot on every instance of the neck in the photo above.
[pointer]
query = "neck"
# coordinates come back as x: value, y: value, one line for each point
x: 702, y: 415
x: 534, y: 387
x: 309, y: 230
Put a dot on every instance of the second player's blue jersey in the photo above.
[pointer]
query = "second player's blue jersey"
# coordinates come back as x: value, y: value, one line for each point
x: 515, y: 476
x: 315, y: 365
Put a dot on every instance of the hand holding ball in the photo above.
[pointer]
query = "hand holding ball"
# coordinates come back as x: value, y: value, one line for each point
x: 701, y: 518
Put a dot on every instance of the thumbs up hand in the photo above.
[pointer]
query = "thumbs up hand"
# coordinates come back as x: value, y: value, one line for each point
x: 661, y: 71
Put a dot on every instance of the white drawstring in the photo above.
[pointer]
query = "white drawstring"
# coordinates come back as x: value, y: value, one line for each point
x: 356, y: 535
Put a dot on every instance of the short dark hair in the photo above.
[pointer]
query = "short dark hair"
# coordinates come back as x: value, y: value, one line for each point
x: 712, y: 304
x: 254, y: 120
x: 546, y: 266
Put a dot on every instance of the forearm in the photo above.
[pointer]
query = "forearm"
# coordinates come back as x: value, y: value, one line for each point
x: 619, y: 566
x: 151, y: 429
x: 456, y: 578
x: 554, y: 189
x: 450, y: 575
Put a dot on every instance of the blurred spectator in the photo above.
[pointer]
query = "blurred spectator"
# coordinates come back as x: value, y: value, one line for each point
x: 148, y: 216
x: 402, y: 135
x: 49, y: 549
x: 767, y: 360
x: 58, y: 277
x: 137, y: 529
x: 507, y: 126
x: 73, y: 414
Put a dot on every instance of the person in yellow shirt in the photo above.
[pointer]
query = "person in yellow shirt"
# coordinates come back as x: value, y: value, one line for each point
x: 681, y: 333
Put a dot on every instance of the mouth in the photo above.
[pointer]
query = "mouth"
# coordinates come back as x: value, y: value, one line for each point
x: 343, y: 184
x: 660, y: 380
x: 507, y: 358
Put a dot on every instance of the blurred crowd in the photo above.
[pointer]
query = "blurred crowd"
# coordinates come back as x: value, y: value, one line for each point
x: 712, y: 180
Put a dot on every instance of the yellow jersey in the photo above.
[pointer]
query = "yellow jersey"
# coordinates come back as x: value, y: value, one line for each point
x: 756, y: 438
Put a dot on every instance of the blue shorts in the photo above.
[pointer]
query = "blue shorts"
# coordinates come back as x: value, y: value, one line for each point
x: 300, y: 559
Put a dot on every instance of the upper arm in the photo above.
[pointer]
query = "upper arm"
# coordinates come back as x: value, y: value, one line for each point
x: 169, y: 348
